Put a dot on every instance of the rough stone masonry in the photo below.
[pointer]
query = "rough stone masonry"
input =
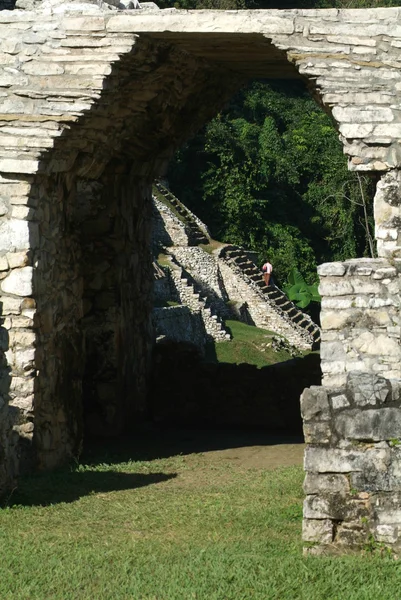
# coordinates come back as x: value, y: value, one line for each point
x: 93, y: 102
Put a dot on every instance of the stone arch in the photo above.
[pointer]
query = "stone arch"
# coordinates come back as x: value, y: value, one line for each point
x: 92, y: 106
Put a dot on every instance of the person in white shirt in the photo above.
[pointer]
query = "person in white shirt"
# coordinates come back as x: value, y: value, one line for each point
x: 267, y: 271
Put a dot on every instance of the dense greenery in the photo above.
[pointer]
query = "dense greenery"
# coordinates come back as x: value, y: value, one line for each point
x: 269, y: 174
x: 299, y: 291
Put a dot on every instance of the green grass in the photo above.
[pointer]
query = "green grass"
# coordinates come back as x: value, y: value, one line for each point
x: 177, y: 528
x: 248, y: 345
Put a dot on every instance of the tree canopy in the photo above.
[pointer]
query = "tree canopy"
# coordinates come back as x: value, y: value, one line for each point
x: 269, y: 172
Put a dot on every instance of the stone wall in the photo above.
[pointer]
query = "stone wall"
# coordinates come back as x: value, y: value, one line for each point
x: 167, y: 229
x: 360, y: 319
x: 180, y: 324
x: 387, y: 213
x: 75, y: 259
x: 352, y: 464
x: 205, y: 270
x: 261, y: 312
x: 185, y: 391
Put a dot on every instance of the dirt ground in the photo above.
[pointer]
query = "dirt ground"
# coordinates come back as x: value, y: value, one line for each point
x: 260, y: 457
x: 246, y: 449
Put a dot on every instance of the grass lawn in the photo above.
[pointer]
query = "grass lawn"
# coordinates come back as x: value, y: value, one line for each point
x: 248, y: 345
x: 198, y: 526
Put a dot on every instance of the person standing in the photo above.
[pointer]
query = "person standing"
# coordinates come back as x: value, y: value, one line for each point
x: 267, y: 271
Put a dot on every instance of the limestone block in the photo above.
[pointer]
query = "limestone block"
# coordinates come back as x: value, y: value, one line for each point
x: 368, y: 389
x: 18, y: 282
x: 335, y: 288
x: 326, y: 483
x: 339, y: 401
x: 333, y: 367
x: 387, y: 534
x: 355, y: 365
x: 332, y: 351
x: 365, y: 287
x: 9, y: 165
x: 42, y: 68
x: 385, y: 272
x: 335, y: 269
x: 317, y: 530
x: 390, y: 517
x: 92, y: 23
x: 317, y: 432
x: 333, y: 460
x: 315, y: 404
x: 355, y: 130
x: 369, y: 343
x: 369, y: 425
x: 25, y: 403
x: 331, y: 319
x: 17, y: 259
x: 14, y: 233
x: 333, y: 382
x: 327, y: 506
x: 22, y: 385
x: 357, y: 116
x: 337, y: 303
x: 10, y: 306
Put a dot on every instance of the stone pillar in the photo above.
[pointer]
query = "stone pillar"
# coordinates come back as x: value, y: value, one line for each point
x: 360, y: 319
x: 387, y: 212
x: 18, y: 238
x: 352, y: 424
x: 352, y: 464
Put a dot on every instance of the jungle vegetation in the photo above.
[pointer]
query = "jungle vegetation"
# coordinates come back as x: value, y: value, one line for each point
x: 269, y: 173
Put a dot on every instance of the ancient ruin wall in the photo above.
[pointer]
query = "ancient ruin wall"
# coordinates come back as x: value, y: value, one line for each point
x: 106, y: 97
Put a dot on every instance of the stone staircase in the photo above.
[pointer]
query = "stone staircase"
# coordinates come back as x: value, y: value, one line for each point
x: 189, y: 296
x: 236, y: 256
x: 197, y: 231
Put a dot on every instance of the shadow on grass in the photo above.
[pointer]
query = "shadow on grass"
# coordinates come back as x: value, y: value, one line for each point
x: 165, y: 442
x: 68, y: 486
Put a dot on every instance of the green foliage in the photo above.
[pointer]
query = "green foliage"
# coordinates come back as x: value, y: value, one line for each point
x: 299, y: 291
x: 269, y: 174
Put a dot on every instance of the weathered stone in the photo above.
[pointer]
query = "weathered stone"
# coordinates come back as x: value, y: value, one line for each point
x: 331, y: 270
x: 335, y: 288
x: 18, y: 282
x: 329, y: 460
x: 322, y: 483
x: 340, y: 401
x: 368, y: 389
x: 369, y: 425
x: 317, y: 530
x: 17, y: 259
x: 315, y: 404
x: 370, y: 344
x: 14, y: 234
